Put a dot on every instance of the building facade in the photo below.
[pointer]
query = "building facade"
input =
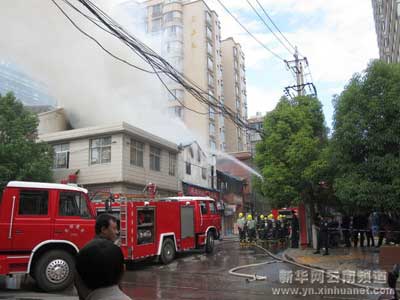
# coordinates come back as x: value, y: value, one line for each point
x: 124, y: 158
x: 235, y: 94
x: 25, y: 89
x: 254, y: 137
x: 115, y: 158
x: 191, y: 39
x: 387, y: 23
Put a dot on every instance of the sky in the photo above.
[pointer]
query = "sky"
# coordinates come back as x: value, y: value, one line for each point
x: 337, y: 37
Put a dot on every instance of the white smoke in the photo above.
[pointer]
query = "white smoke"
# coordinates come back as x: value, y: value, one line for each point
x: 92, y: 86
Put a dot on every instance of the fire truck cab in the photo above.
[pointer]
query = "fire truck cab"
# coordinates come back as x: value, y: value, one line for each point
x: 42, y: 227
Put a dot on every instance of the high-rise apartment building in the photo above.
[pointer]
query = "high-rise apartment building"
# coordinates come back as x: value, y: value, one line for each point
x: 387, y: 23
x: 191, y: 42
x: 25, y: 89
x: 235, y: 94
x: 257, y: 123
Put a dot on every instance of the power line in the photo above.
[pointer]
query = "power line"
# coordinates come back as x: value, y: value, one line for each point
x: 97, y: 42
x: 269, y: 28
x: 248, y: 32
x: 159, y: 64
x: 273, y: 23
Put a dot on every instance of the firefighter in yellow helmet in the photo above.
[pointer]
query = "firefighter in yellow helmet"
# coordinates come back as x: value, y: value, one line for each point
x: 251, y: 228
x: 261, y: 227
x: 241, y: 222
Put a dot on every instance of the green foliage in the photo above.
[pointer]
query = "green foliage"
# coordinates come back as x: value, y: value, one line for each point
x: 366, y: 140
x: 291, y: 156
x: 21, y: 158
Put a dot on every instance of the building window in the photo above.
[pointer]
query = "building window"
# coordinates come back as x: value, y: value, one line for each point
x: 237, y: 103
x: 204, y: 173
x: 156, y: 10
x: 172, y: 164
x: 100, y: 150
x: 188, y: 168
x: 61, y: 156
x: 137, y: 149
x: 208, y: 17
x: 155, y: 158
x: 213, y: 145
x: 212, y: 113
x: 209, y: 48
x: 210, y: 80
x: 198, y: 155
x: 175, y: 31
x: 212, y: 129
x: 33, y: 202
x: 176, y: 94
x: 177, y: 111
x: 209, y: 33
x: 210, y: 63
x: 156, y: 25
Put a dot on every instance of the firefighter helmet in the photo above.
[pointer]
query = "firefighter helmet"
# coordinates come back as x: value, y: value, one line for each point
x: 271, y: 216
x: 240, y: 215
x: 262, y: 217
x: 249, y: 217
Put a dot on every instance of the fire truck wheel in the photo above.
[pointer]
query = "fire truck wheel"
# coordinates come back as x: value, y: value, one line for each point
x: 167, y: 251
x: 54, y: 271
x: 210, y: 242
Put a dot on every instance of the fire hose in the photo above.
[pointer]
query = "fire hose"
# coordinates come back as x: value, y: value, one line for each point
x: 251, y: 277
x: 277, y: 259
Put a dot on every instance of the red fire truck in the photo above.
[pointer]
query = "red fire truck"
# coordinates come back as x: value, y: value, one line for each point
x: 43, y: 225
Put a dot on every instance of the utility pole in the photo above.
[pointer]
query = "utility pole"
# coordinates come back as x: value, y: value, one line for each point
x: 297, y: 67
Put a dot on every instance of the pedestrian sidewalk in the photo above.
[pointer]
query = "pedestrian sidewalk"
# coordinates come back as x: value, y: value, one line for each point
x: 339, y: 259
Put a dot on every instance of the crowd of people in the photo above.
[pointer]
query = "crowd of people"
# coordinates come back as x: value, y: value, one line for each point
x: 268, y: 228
x: 364, y: 229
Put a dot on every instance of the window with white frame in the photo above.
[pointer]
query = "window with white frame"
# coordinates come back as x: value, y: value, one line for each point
x: 137, y: 150
x: 100, y: 150
x: 61, y: 156
x: 172, y: 164
x: 155, y: 158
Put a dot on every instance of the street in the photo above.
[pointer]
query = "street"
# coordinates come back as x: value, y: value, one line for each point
x: 194, y: 275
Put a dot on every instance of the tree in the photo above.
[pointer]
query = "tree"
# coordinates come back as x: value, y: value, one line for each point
x: 21, y: 157
x: 291, y: 155
x: 366, y: 139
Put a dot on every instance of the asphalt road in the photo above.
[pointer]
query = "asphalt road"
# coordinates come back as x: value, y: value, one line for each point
x: 195, y: 275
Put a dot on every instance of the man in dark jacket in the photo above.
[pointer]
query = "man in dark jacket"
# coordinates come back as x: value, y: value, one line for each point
x: 323, y: 236
x: 295, y: 231
x: 346, y: 230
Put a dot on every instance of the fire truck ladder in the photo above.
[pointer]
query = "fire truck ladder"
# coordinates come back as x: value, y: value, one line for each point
x: 123, y: 221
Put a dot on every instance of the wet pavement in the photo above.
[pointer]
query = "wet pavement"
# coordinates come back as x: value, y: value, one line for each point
x: 195, y: 275
x: 339, y: 258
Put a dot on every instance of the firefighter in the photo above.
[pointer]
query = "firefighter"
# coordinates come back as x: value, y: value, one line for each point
x: 261, y: 227
x: 251, y: 228
x: 268, y: 227
x: 242, y: 228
